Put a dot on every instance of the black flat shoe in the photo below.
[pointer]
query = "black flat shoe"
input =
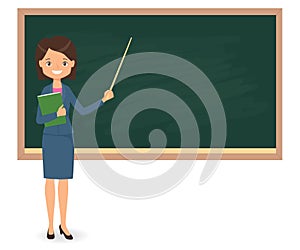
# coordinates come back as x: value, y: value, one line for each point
x: 50, y: 236
x: 68, y: 237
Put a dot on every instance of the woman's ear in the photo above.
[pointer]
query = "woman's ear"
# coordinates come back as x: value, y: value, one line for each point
x: 40, y: 63
x: 72, y: 63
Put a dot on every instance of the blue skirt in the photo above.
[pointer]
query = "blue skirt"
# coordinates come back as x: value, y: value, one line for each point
x: 58, y: 156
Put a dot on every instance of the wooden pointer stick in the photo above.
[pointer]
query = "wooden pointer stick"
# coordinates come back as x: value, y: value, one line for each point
x: 120, y: 65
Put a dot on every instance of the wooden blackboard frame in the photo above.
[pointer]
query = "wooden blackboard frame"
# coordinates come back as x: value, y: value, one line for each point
x: 169, y: 153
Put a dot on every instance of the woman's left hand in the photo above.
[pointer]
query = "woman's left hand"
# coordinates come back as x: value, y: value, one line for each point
x: 108, y: 94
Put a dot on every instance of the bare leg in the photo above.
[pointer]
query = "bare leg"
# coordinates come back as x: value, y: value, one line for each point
x: 63, y: 200
x: 50, y: 199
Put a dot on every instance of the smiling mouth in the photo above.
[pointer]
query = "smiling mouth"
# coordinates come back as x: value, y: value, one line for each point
x: 56, y: 72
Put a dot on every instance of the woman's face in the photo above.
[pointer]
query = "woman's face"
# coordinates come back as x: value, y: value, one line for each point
x: 56, y: 65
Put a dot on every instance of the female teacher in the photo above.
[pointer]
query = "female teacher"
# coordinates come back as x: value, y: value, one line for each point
x: 56, y: 59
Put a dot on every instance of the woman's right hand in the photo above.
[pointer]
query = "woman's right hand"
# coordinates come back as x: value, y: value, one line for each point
x: 61, y: 111
x: 108, y: 94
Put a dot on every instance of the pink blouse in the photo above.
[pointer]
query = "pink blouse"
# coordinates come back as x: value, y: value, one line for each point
x: 57, y: 90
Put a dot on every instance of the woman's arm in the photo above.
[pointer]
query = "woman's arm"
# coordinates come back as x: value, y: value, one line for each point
x: 41, y: 119
x: 84, y: 110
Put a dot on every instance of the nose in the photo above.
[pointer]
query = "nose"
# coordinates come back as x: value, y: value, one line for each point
x: 56, y: 66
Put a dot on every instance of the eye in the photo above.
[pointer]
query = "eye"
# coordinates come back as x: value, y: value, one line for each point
x: 48, y: 63
x: 65, y: 63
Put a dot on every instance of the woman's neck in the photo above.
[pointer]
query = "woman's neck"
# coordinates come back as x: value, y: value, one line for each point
x: 56, y: 83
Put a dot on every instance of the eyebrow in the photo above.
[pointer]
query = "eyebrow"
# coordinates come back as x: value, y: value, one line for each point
x: 65, y: 59
x: 47, y: 58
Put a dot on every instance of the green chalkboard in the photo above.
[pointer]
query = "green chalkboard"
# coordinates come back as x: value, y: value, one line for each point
x: 236, y: 52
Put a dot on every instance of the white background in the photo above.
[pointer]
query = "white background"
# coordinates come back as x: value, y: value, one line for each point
x: 245, y: 205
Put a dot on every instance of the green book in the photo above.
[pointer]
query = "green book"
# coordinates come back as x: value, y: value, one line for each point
x: 49, y: 103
